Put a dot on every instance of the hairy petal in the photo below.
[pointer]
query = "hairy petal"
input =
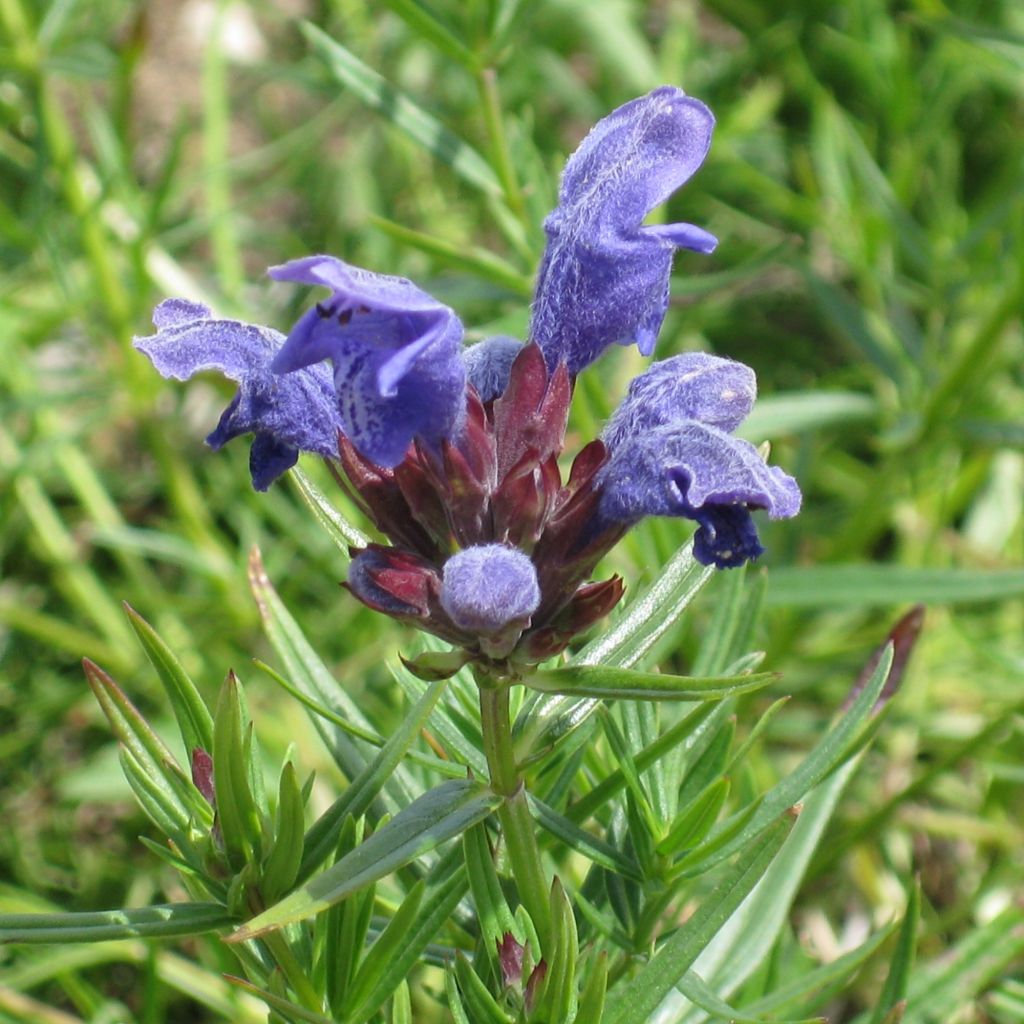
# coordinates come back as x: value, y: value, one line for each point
x: 604, y: 277
x: 287, y: 414
x: 396, y: 352
x: 489, y: 365
x: 488, y: 587
x: 697, y: 471
x: 694, y: 386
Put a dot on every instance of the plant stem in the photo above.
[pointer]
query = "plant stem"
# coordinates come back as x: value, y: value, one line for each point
x: 517, y: 824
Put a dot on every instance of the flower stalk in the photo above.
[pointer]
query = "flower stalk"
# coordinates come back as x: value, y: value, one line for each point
x: 517, y: 824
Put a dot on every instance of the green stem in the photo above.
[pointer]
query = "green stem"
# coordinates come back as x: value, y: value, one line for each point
x: 487, y: 83
x: 517, y: 824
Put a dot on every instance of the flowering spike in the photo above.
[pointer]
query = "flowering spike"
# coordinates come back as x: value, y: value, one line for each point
x: 396, y: 352
x: 287, y: 415
x: 604, y: 277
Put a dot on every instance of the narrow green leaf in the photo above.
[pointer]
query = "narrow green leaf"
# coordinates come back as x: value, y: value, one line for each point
x: 190, y: 711
x: 479, y: 262
x: 438, y: 815
x: 559, y: 989
x: 634, y: 1001
x: 421, y: 127
x: 800, y: 412
x: 305, y: 668
x: 845, y: 585
x: 401, y: 1005
x: 167, y: 920
x: 574, y: 837
x: 377, y: 959
x: 665, y: 744
x: 282, y: 865
x: 425, y: 25
x: 492, y: 909
x: 701, y: 995
x: 289, y: 1010
x: 482, y: 1007
x: 754, y: 928
x: 439, y: 902
x: 829, y: 752
x: 643, y: 623
x: 961, y: 973
x: 155, y: 799
x: 455, y: 1007
x: 901, y: 966
x: 356, y: 799
x: 696, y: 819
x: 142, y: 742
x: 237, y: 813
x: 611, y: 683
x: 820, y: 979
x: 591, y: 1008
x: 337, y: 527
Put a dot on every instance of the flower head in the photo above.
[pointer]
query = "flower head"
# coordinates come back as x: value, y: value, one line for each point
x: 396, y: 353
x: 287, y: 414
x: 604, y: 278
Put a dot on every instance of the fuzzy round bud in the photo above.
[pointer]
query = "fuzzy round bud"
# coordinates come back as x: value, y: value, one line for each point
x: 486, y: 588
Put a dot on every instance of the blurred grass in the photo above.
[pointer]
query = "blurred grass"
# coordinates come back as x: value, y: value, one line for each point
x: 867, y: 183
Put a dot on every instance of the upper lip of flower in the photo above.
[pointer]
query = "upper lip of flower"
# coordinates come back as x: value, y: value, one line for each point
x: 604, y: 276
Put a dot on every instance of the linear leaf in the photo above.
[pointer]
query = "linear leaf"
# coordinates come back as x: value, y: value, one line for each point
x: 634, y: 1001
x: 193, y: 716
x: 438, y: 904
x: 902, y: 963
x: 162, y: 921
x: 338, y: 528
x: 644, y: 622
x: 748, y: 937
x: 441, y: 814
x: 609, y: 682
x: 379, y: 95
x: 844, y: 585
x: 355, y: 801
x: 834, y: 746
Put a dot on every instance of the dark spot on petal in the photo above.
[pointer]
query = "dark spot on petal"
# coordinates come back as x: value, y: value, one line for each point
x: 323, y: 311
x: 344, y: 317
x: 363, y: 309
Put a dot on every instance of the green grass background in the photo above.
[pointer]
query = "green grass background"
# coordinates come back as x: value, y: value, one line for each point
x: 867, y: 184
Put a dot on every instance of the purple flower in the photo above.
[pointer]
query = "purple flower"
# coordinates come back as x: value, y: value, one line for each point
x: 287, y: 414
x: 693, y: 386
x: 694, y: 470
x: 605, y: 276
x: 489, y: 365
x: 486, y: 588
x: 396, y: 352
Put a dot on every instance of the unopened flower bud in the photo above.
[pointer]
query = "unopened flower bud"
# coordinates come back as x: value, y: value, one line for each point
x: 488, y: 588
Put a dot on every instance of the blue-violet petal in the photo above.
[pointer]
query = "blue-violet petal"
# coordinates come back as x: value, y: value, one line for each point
x: 694, y: 386
x: 396, y: 352
x: 489, y: 365
x: 698, y: 471
x: 604, y: 278
x: 287, y: 414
